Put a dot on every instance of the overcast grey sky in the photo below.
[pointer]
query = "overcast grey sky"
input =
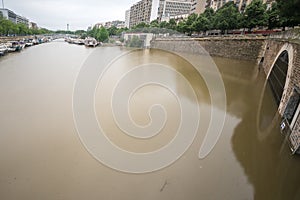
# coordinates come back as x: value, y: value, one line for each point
x: 56, y: 14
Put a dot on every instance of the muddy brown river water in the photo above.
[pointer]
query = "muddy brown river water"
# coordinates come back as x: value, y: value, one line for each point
x: 42, y: 155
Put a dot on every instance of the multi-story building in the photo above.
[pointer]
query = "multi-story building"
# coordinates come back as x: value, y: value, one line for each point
x: 10, y: 15
x: 241, y: 4
x: 121, y: 25
x: 127, y: 18
x: 116, y: 23
x: 98, y: 25
x: 198, y: 6
x: 33, y: 25
x: 171, y: 8
x: 149, y: 10
x: 22, y: 20
x: 177, y: 18
x: 143, y: 11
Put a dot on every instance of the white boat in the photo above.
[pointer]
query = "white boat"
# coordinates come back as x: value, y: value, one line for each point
x: 79, y: 41
x: 15, y: 46
x: 29, y: 43
x: 3, y: 49
x: 10, y: 47
x: 90, y: 42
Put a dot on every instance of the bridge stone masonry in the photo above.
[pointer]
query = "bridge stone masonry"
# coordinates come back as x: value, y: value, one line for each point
x: 289, y: 107
x: 277, y: 55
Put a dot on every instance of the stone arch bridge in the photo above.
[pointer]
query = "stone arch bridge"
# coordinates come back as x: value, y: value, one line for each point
x: 280, y: 60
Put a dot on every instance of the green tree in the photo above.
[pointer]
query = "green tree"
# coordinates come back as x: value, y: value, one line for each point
x: 182, y: 27
x: 289, y: 11
x: 93, y: 32
x: 121, y: 30
x: 112, y: 30
x: 102, y: 34
x: 141, y: 25
x: 1, y: 28
x: 80, y: 32
x: 172, y: 24
x: 201, y: 24
x: 209, y: 13
x: 255, y: 14
x: 189, y: 23
x: 22, y: 29
x: 1, y: 31
x: 154, y: 23
x: 227, y: 17
x: 163, y: 24
x: 8, y: 27
x: 274, y: 18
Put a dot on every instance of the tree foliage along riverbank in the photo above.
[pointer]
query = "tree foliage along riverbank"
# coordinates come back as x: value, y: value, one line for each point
x: 8, y: 28
x: 281, y: 14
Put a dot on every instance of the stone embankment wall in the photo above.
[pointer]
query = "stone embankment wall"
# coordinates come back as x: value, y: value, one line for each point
x: 290, y: 35
x: 234, y: 47
x: 263, y: 50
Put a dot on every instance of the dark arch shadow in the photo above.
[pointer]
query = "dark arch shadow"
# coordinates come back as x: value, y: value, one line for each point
x: 278, y: 75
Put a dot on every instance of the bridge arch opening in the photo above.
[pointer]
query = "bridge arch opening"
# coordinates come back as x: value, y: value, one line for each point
x: 278, y: 76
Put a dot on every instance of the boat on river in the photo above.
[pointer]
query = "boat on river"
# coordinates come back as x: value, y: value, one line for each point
x: 79, y: 41
x: 14, y: 46
x: 28, y: 42
x: 90, y: 42
x: 3, y: 49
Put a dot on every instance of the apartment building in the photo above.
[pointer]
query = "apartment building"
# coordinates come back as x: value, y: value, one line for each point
x: 33, y: 25
x: 10, y: 15
x: 143, y: 11
x: 198, y: 6
x: 171, y: 8
x: 127, y: 18
x: 241, y: 4
x: 149, y: 10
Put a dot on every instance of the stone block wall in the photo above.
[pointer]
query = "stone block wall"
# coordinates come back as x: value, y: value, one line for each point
x: 242, y: 49
x: 236, y: 48
x: 274, y: 47
x: 271, y: 50
x: 184, y: 45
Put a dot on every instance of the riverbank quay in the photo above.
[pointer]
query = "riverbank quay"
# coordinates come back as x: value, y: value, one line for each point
x: 235, y: 47
x: 15, y: 38
x: 277, y: 55
x: 14, y: 44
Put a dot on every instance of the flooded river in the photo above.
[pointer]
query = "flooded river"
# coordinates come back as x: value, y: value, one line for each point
x: 42, y: 155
